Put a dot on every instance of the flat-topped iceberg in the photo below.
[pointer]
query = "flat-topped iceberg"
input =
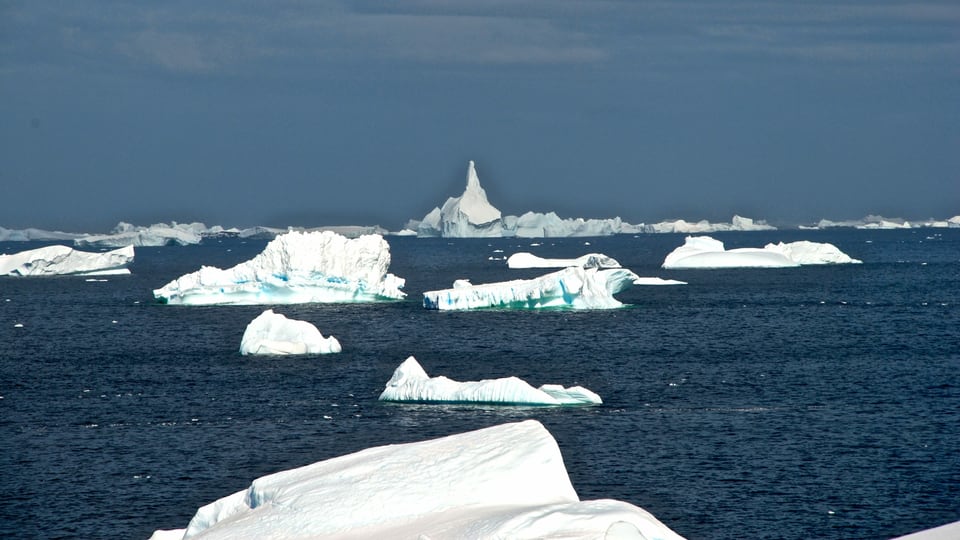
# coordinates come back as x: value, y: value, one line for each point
x: 295, y: 268
x: 574, y: 287
x: 538, y: 225
x: 274, y: 334
x: 410, y: 383
x: 738, y: 223
x: 707, y: 252
x: 506, y: 481
x: 26, y: 235
x: 63, y: 260
x: 160, y: 234
x: 591, y: 260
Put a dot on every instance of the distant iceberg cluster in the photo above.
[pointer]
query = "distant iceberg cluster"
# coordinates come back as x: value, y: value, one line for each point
x: 410, y: 383
x: 506, y: 481
x: 161, y: 234
x: 472, y: 216
x: 880, y: 222
x: 707, y: 252
x: 63, y: 260
x: 295, y: 268
x: 574, y: 287
x: 31, y: 234
x: 274, y: 334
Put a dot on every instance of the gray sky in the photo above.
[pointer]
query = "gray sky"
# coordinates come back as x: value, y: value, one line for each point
x: 316, y: 113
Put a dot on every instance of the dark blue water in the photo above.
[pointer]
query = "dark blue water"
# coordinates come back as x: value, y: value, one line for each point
x: 816, y: 402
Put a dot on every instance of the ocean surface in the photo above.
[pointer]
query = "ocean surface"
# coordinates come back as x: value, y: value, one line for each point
x: 813, y: 402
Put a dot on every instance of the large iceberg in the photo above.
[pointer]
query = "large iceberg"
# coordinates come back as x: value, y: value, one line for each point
x: 574, y: 287
x: 591, y: 260
x: 738, y: 223
x: 537, y: 225
x: 160, y: 234
x: 273, y: 334
x: 707, y: 252
x: 26, y: 235
x: 410, y: 383
x: 63, y: 260
x: 468, y: 216
x: 295, y: 268
x: 506, y: 481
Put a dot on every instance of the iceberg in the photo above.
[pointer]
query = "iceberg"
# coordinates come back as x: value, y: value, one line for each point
x: 273, y: 334
x: 657, y: 281
x: 573, y: 287
x: 505, y: 481
x: 468, y: 216
x: 738, y: 223
x: 410, y: 383
x: 295, y: 268
x: 707, y: 252
x: 537, y: 225
x: 160, y: 234
x: 26, y: 235
x: 62, y: 260
x: 591, y: 260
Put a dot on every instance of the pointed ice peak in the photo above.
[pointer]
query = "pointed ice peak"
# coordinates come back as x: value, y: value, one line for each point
x: 473, y: 181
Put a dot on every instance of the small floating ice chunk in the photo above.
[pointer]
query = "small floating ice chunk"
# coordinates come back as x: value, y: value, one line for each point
x: 657, y: 281
x: 273, y: 334
x: 591, y: 260
x: 18, y: 325
x: 410, y: 383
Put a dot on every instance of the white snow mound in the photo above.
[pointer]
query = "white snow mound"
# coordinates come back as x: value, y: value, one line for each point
x: 574, y: 287
x: 590, y: 260
x: 411, y: 383
x: 274, y: 334
x: 62, y: 260
x: 707, y: 252
x: 506, y: 481
x: 295, y: 268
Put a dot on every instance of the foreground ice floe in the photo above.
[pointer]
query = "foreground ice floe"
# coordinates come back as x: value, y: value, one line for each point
x: 506, y: 481
x: 707, y: 252
x: 573, y: 287
x: 590, y: 260
x: 295, y: 268
x: 63, y: 260
x: 410, y: 383
x: 273, y: 334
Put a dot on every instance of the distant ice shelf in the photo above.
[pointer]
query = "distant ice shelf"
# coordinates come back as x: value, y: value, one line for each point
x: 62, y: 260
x: 295, y: 268
x: 410, y: 383
x: 505, y: 481
x: 573, y: 287
x: 274, y: 334
x: 707, y: 252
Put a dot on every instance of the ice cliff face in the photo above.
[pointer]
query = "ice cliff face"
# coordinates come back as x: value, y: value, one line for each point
x: 63, y: 260
x: 412, y: 384
x: 295, y: 268
x: 506, y: 481
x: 573, y: 288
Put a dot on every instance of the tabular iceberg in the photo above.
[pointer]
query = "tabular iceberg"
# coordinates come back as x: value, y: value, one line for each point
x: 295, y: 268
x: 573, y: 287
x: 410, y: 383
x: 506, y: 481
x: 63, y: 260
x: 707, y: 252
x: 26, y: 235
x: 590, y: 260
x: 273, y: 334
x: 160, y: 234
x: 738, y: 223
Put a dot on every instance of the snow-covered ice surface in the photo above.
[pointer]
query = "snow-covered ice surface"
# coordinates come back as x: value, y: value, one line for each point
x: 738, y: 223
x: 295, y: 268
x: 590, y: 260
x: 707, y: 252
x: 506, y: 481
x: 63, y: 260
x: 274, y: 334
x: 657, y: 281
x: 539, y: 225
x: 410, y: 383
x: 573, y: 287
x: 950, y: 531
